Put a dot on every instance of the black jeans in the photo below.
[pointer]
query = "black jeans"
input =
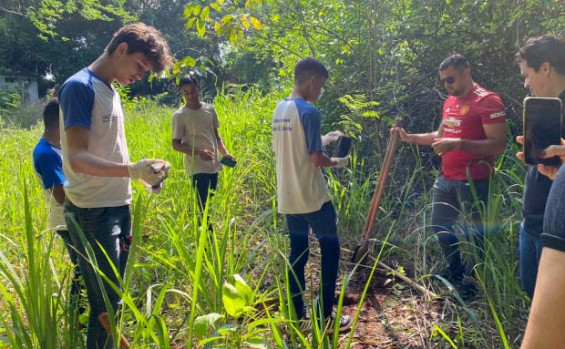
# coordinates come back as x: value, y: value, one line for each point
x: 107, y: 231
x: 451, y: 197
x: 324, y: 226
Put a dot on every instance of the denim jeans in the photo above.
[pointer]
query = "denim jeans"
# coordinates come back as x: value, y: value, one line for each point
x: 77, y: 286
x: 450, y: 199
x: 530, y: 253
x: 324, y: 227
x: 107, y: 230
x: 204, y: 183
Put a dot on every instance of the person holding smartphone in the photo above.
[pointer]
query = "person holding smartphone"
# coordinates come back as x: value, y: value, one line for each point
x: 542, y: 64
x: 302, y: 191
x: 471, y: 134
x: 195, y: 134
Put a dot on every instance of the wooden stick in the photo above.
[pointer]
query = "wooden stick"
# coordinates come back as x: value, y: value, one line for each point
x: 105, y: 322
x: 379, y: 189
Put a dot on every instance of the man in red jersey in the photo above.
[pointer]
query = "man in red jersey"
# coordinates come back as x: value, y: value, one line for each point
x: 472, y: 133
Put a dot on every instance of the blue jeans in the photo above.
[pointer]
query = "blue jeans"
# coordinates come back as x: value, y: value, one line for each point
x: 530, y: 253
x: 450, y: 198
x: 324, y: 226
x: 107, y: 230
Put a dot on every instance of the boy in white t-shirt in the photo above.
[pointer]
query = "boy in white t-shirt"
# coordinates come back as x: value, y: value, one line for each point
x: 302, y: 191
x: 195, y: 133
x: 97, y: 166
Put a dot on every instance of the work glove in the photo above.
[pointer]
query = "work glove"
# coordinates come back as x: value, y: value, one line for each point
x: 331, y: 137
x: 340, y: 162
x: 150, y: 171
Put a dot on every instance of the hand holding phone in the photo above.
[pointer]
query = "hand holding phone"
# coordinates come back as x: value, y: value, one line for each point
x: 228, y: 161
x: 342, y: 148
x: 542, y: 128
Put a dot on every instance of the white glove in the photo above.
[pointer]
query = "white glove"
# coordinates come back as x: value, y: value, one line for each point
x: 150, y: 171
x: 340, y: 162
x: 331, y: 137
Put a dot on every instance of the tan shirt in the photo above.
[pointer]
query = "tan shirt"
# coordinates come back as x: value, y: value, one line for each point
x: 196, y: 128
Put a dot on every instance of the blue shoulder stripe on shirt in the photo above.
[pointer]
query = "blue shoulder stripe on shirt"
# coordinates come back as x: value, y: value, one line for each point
x: 77, y: 99
x: 311, y: 120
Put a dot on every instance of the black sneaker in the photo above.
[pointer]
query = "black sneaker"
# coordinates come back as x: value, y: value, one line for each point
x: 344, y: 323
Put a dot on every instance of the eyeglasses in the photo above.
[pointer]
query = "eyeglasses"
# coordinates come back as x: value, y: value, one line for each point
x: 450, y: 80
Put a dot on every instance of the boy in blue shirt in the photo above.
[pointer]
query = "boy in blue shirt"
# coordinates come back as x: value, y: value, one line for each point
x: 48, y: 167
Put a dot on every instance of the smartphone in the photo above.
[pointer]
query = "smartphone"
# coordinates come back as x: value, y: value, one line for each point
x: 542, y: 128
x: 342, y: 148
x: 228, y: 162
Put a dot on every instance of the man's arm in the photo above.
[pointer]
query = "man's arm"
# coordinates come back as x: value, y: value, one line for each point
x: 205, y: 154
x: 493, y: 145
x: 547, y: 318
x: 58, y: 193
x: 85, y: 162
x: 418, y: 138
x: 321, y: 160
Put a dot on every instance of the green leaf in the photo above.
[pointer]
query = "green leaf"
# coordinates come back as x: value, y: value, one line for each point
x: 200, y: 27
x: 234, y: 302
x: 190, y: 22
x: 227, y: 329
x: 205, y: 13
x: 204, y: 323
x: 244, y: 289
x: 256, y: 342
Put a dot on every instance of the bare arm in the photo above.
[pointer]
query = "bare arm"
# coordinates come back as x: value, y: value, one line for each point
x: 418, y: 138
x: 547, y: 318
x: 58, y: 193
x: 205, y: 154
x: 494, y: 144
x: 321, y: 160
x: 85, y: 162
x: 184, y: 148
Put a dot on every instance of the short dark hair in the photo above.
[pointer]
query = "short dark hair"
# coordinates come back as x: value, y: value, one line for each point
x: 51, y: 114
x: 457, y: 61
x: 145, y: 39
x: 188, y: 80
x: 307, y: 68
x: 545, y: 48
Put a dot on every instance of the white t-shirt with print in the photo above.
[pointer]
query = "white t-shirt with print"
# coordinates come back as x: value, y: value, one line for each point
x: 301, y: 186
x: 89, y: 102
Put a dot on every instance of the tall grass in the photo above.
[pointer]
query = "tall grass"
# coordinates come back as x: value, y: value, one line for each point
x: 182, y: 287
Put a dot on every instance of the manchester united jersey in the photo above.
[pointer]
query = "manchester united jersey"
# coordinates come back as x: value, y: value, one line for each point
x: 464, y: 117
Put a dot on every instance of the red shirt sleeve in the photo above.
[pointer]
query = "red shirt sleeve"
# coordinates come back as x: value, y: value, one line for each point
x: 493, y: 110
